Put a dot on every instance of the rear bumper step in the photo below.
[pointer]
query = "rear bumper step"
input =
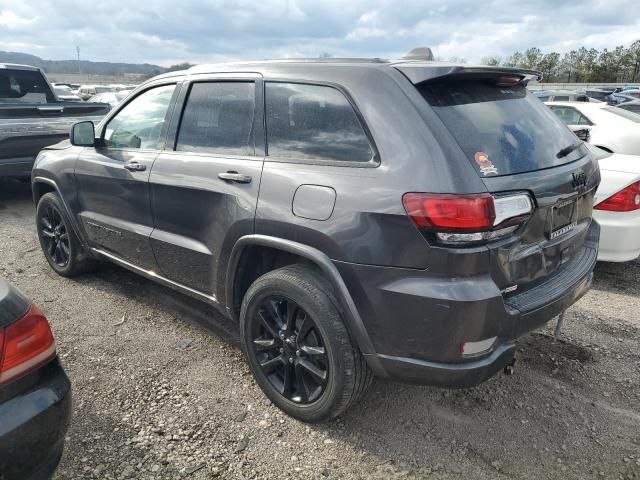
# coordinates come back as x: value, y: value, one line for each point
x: 556, y: 286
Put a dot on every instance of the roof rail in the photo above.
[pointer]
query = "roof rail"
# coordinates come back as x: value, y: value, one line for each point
x: 420, y: 53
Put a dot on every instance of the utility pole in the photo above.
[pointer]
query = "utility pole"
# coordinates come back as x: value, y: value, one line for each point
x: 78, y: 52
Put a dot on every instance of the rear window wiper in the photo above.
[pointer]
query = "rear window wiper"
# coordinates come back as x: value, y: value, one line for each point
x: 567, y: 150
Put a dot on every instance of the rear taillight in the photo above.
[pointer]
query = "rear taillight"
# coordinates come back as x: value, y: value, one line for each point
x: 444, y: 212
x: 469, y: 217
x: 626, y: 200
x: 27, y: 344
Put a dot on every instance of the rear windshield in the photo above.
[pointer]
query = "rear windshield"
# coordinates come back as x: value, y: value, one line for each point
x: 501, y: 130
x: 24, y: 86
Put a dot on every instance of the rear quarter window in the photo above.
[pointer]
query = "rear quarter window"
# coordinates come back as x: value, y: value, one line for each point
x: 501, y: 130
x: 313, y: 122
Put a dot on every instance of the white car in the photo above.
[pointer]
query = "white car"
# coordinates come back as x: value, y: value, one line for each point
x: 617, y: 206
x: 112, y: 98
x: 610, y: 128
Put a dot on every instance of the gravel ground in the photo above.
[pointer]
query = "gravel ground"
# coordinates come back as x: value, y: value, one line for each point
x: 162, y: 391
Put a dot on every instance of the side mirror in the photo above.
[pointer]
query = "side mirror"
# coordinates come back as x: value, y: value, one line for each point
x: 83, y: 134
x: 582, y: 133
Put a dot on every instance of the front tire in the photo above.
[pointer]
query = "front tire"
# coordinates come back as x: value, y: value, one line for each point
x: 60, y: 245
x: 298, y: 347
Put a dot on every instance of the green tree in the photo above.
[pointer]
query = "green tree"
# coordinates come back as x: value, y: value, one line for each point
x: 492, y: 60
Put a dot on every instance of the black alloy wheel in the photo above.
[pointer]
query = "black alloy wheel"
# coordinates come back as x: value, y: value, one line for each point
x: 55, y: 236
x: 60, y: 245
x: 289, y: 349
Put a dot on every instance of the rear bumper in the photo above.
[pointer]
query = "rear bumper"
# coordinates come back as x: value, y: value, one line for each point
x: 34, y: 416
x: 417, y: 323
x: 620, y: 235
x: 447, y: 375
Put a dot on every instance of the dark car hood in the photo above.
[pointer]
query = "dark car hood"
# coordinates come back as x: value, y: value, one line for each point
x: 13, y: 304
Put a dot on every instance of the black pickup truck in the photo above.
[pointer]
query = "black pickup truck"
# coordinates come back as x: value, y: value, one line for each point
x: 32, y: 117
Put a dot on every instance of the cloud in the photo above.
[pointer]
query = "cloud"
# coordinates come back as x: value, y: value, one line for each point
x: 166, y: 31
x: 12, y: 21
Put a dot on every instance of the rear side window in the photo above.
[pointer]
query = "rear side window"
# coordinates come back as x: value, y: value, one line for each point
x: 570, y: 115
x: 218, y: 118
x: 501, y: 130
x: 313, y: 122
x: 24, y: 86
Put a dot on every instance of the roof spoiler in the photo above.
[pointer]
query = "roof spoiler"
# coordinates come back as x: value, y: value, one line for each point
x: 418, y: 71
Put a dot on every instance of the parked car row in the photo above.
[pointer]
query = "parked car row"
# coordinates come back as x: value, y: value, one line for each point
x: 612, y: 97
x: 91, y: 93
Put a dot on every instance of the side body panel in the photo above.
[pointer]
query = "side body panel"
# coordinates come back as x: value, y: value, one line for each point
x: 368, y: 223
x: 198, y: 216
x: 114, y: 202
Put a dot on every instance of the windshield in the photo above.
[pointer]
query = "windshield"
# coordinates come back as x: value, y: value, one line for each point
x: 103, y: 89
x: 24, y: 86
x: 634, y: 117
x: 502, y: 130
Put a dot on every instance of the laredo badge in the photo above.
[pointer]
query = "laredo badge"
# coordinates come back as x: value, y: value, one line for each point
x: 486, y: 166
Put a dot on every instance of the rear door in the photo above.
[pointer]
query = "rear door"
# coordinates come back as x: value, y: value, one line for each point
x: 112, y: 178
x: 204, y: 187
x: 517, y: 145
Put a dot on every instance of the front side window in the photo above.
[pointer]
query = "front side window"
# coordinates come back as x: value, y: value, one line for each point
x: 313, y: 122
x: 218, y: 118
x: 140, y: 123
x: 570, y: 116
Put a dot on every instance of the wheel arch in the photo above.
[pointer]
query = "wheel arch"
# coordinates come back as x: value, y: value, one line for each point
x: 41, y: 186
x: 308, y: 254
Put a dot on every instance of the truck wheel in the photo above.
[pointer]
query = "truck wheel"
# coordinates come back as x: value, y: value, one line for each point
x: 59, y: 243
x: 298, y: 347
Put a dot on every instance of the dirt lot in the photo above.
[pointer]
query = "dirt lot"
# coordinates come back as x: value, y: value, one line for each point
x: 161, y: 390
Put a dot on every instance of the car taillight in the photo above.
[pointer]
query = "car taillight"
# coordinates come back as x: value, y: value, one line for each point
x: 28, y: 343
x: 626, y: 200
x: 468, y: 217
x: 508, y: 80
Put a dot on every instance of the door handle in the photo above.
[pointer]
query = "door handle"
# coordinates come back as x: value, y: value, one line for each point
x: 134, y: 166
x: 236, y: 177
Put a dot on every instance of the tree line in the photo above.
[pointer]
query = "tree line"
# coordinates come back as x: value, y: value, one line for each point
x: 584, y: 65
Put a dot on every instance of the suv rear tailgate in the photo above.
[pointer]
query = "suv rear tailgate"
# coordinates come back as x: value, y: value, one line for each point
x: 515, y: 144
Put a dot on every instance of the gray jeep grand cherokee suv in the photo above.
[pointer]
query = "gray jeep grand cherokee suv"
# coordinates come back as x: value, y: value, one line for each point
x: 405, y: 219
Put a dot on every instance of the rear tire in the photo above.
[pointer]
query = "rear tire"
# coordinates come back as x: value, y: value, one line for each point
x: 60, y: 245
x: 298, y: 347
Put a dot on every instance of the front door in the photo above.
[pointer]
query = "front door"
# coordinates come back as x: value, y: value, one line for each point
x: 204, y: 189
x: 113, y: 177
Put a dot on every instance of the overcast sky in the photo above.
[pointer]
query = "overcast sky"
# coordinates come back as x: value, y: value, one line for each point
x: 172, y: 31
